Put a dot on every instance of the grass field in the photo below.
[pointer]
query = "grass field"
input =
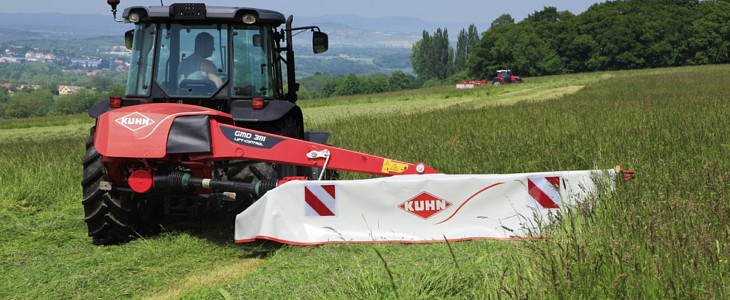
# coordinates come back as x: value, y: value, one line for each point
x: 664, y: 235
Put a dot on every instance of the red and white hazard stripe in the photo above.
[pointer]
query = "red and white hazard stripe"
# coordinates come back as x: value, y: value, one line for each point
x: 320, y: 200
x: 545, y: 191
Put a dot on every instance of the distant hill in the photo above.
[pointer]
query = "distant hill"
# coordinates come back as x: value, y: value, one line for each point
x: 392, y: 24
x: 348, y: 30
x: 56, y: 26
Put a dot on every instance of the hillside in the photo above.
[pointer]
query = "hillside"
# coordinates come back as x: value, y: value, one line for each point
x: 348, y: 31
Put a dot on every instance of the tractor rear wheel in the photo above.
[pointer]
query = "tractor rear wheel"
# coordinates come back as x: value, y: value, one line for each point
x: 111, y: 218
x: 496, y: 83
x: 252, y: 172
x: 289, y: 127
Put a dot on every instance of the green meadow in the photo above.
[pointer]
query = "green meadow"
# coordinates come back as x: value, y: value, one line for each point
x: 665, y: 234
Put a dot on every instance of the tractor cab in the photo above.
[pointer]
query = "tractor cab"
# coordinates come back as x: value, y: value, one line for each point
x: 504, y: 77
x: 211, y: 56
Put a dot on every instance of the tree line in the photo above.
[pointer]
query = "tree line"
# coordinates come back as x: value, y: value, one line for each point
x: 324, y: 85
x: 43, y: 98
x: 50, y: 76
x: 615, y: 35
x: 28, y: 103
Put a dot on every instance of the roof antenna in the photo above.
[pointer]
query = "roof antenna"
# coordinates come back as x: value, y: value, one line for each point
x: 161, y: 3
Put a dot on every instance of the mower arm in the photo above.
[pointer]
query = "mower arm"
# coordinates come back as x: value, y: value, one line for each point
x: 231, y: 142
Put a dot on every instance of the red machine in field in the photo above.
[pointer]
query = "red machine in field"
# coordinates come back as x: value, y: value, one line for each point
x: 471, y: 84
x: 180, y: 141
x: 224, y: 130
x: 504, y: 77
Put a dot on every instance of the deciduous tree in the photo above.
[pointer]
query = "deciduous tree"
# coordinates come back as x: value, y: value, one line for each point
x: 431, y: 57
x: 465, y: 43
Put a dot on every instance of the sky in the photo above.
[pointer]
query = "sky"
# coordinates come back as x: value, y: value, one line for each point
x: 474, y: 11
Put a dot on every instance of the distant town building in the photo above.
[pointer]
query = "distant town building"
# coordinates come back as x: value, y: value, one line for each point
x: 39, y: 56
x: 11, y: 59
x: 86, y: 63
x: 68, y: 90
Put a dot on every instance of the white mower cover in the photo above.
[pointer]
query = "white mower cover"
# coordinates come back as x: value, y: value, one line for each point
x: 414, y: 208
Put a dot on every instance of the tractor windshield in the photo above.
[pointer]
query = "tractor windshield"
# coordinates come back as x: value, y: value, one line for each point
x: 193, y: 61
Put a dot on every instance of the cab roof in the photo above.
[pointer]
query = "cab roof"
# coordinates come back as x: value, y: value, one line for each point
x: 201, y: 12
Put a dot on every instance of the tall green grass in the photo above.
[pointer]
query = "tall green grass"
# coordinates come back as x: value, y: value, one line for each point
x: 46, y: 121
x: 663, y: 235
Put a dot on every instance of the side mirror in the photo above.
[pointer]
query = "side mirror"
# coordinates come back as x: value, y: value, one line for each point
x: 128, y: 38
x: 320, y: 42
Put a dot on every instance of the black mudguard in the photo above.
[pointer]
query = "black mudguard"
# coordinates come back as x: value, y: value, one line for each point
x: 319, y: 137
x: 189, y: 134
x: 99, y: 108
x: 241, y: 111
x: 103, y: 106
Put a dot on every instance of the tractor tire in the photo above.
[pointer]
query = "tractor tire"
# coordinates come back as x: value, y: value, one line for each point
x: 286, y: 126
x: 112, y: 218
x: 252, y: 171
x: 496, y: 83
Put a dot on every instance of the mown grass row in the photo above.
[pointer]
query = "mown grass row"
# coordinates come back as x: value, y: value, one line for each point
x: 44, y: 250
x: 664, y: 235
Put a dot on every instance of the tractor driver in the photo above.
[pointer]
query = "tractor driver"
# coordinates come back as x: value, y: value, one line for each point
x: 197, y: 66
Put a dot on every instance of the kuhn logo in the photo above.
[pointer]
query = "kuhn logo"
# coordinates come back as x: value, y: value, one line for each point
x: 425, y: 205
x: 135, y: 121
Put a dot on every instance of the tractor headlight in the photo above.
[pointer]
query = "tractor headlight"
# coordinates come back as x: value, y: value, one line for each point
x: 133, y: 17
x: 249, y: 19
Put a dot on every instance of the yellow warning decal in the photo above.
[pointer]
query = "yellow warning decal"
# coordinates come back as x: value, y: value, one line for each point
x: 390, y: 166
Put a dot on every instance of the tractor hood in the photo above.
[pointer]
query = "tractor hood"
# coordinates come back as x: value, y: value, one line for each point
x: 154, y: 130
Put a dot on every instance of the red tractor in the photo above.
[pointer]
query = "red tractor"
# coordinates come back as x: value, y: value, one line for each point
x: 504, y: 77
x: 209, y: 120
